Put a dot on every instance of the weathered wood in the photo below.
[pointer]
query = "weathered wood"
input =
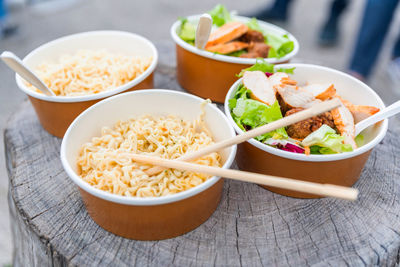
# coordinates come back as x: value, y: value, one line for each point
x: 251, y: 226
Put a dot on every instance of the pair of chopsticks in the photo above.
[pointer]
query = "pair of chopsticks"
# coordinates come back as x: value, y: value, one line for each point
x: 274, y: 181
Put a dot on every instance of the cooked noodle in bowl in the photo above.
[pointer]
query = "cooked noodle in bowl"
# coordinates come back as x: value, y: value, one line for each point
x: 105, y: 162
x: 85, y: 68
x: 89, y: 72
x: 96, y: 154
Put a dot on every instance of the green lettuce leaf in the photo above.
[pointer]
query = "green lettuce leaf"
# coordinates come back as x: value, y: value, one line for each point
x: 253, y: 24
x: 250, y: 114
x: 272, y: 52
x: 241, y: 92
x: 220, y: 15
x: 264, y: 66
x: 236, y: 53
x: 287, y: 70
x: 280, y: 45
x: 187, y: 31
x: 328, y: 141
x: 359, y: 140
x: 315, y: 150
x: 285, y: 49
x: 260, y: 65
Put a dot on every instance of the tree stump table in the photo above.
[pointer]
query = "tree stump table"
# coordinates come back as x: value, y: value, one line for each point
x: 251, y: 226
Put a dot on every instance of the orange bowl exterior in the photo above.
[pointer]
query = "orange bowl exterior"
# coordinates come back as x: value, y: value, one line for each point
x: 340, y: 172
x: 206, y: 77
x: 154, y: 222
x: 55, y: 117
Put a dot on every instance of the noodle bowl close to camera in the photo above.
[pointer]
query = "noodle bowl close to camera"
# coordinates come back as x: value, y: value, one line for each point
x: 158, y: 123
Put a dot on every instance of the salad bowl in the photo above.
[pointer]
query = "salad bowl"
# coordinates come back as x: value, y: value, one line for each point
x: 209, y: 74
x: 339, y: 169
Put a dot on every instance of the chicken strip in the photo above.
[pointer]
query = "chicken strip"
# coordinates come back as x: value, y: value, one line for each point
x: 359, y: 112
x: 252, y: 36
x: 228, y: 32
x: 276, y: 78
x: 260, y: 87
x: 362, y: 112
x: 228, y: 47
x: 328, y: 91
x: 344, y: 123
x: 257, y: 50
x: 293, y: 96
x: 321, y: 91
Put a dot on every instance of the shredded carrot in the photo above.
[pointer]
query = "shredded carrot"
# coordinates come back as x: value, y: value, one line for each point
x: 288, y: 81
x: 307, y: 150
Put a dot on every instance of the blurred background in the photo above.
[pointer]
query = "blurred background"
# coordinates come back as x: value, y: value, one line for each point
x: 26, y: 24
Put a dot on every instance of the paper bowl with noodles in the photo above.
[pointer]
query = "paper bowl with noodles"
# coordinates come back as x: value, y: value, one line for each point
x: 165, y: 210
x: 84, y: 68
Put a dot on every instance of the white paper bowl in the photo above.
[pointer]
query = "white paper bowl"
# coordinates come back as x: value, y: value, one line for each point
x: 267, y: 27
x: 341, y: 169
x: 57, y: 112
x: 208, y: 74
x: 136, y: 217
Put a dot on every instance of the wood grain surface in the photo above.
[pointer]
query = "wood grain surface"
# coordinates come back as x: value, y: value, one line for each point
x: 251, y: 226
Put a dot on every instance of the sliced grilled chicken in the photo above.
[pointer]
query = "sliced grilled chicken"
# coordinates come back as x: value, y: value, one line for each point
x: 321, y: 91
x: 328, y: 91
x: 344, y: 122
x: 260, y: 87
x: 359, y: 112
x: 293, y: 96
x: 276, y: 78
x: 228, y: 32
x: 310, y: 104
x: 228, y: 47
x: 362, y: 112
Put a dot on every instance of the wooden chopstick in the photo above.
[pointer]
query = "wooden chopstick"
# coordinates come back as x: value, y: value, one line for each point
x: 296, y: 117
x: 328, y: 190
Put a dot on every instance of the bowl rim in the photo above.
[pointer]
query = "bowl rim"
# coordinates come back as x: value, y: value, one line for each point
x: 142, y: 201
x: 70, y: 99
x: 230, y: 59
x: 303, y: 157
